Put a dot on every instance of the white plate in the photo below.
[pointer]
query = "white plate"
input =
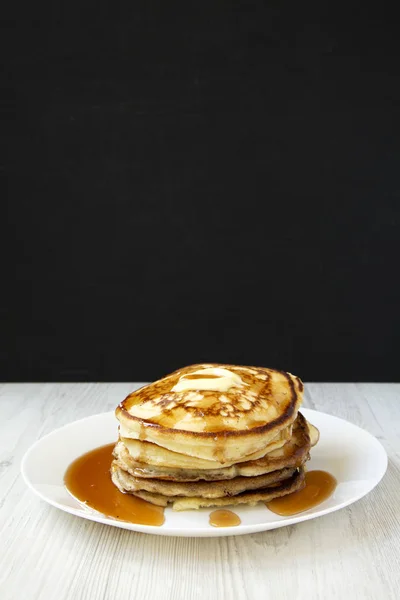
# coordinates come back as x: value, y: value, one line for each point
x: 353, y: 456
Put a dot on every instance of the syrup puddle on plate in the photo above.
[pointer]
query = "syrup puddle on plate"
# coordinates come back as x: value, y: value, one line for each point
x: 88, y: 479
x: 224, y: 518
x: 320, y: 485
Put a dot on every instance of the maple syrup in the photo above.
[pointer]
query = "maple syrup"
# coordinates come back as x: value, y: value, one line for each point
x: 319, y: 486
x: 88, y: 479
x: 224, y: 518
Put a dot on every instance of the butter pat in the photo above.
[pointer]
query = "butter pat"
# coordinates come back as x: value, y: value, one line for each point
x: 222, y: 380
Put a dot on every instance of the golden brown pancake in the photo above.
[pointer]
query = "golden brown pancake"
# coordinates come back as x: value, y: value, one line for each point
x: 292, y: 484
x: 293, y: 454
x: 213, y: 435
x: 219, y: 413
x: 205, y: 489
x: 152, y: 454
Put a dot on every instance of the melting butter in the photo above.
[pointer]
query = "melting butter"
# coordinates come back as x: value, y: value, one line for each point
x: 222, y: 380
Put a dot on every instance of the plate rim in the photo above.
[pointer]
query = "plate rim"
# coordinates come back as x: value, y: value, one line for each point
x: 200, y: 531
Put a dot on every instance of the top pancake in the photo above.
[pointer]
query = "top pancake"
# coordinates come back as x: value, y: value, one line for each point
x: 212, y: 411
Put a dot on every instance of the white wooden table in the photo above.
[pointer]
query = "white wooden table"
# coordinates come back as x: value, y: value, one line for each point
x: 45, y: 553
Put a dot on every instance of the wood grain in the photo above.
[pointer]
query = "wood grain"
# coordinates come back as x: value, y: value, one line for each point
x: 46, y: 553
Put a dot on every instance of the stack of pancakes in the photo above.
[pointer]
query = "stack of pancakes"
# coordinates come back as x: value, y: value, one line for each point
x: 213, y: 435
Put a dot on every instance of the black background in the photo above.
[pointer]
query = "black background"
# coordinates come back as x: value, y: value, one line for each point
x: 201, y: 182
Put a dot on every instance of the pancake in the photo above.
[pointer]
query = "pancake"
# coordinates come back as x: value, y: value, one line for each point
x: 204, y: 489
x: 213, y: 435
x: 291, y: 455
x: 220, y: 413
x: 252, y: 497
x: 152, y: 454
